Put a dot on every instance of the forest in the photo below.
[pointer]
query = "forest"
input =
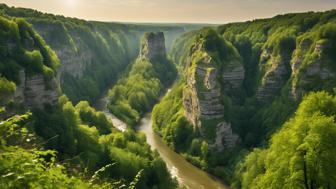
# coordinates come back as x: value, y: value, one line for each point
x: 304, y: 45
x: 60, y: 144
x: 251, y: 103
x: 136, y: 93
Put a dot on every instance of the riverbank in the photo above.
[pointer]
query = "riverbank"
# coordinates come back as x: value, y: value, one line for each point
x: 186, y: 174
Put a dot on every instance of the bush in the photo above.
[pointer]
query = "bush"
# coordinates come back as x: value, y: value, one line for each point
x: 7, y: 89
x: 138, y: 91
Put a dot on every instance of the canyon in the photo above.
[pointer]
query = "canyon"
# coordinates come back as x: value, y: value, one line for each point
x: 231, y: 88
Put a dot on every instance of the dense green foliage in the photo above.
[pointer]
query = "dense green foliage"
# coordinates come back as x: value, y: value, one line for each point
x: 25, y: 164
x: 7, y: 89
x: 169, y: 115
x: 299, y: 41
x: 169, y: 121
x: 61, y: 145
x: 76, y: 146
x: 75, y: 134
x: 137, y: 92
x: 301, y: 154
x: 284, y: 37
x: 85, y: 137
x: 93, y: 54
x: 22, y: 49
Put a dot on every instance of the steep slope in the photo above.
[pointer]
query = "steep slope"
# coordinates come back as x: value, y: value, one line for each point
x: 290, y: 56
x: 27, y: 69
x: 197, y: 123
x: 212, y: 61
x: 304, y: 160
x: 92, y: 54
x: 137, y: 92
x: 46, y: 140
x: 239, y: 84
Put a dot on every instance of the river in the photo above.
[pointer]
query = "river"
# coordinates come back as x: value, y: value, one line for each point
x: 186, y: 174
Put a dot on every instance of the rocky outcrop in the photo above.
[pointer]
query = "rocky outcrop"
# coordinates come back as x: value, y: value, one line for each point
x: 202, y: 94
x: 75, y: 56
x: 191, y: 106
x: 297, y: 60
x: 233, y: 75
x: 315, y: 71
x: 274, y: 78
x: 225, y: 138
x: 73, y: 63
x: 34, y: 91
x: 153, y: 46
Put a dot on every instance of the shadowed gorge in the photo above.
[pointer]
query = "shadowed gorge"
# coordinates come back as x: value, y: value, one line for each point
x: 88, y: 104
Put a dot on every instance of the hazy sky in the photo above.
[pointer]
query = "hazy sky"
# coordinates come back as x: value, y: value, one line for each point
x: 195, y: 11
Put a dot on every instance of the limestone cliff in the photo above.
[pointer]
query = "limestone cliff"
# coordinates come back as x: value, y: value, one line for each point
x: 146, y: 80
x: 92, y: 54
x: 274, y: 78
x: 307, y: 66
x: 307, y: 74
x: 28, y: 64
x: 74, y: 54
x: 96, y: 53
x: 153, y: 46
x: 202, y: 92
x: 35, y: 92
x: 206, y: 82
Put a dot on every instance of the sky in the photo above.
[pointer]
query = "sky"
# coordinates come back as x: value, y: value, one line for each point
x: 173, y: 11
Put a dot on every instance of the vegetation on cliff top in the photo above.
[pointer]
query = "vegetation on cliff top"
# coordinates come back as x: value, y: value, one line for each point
x: 137, y: 92
x: 307, y: 38
x: 94, y: 54
x: 22, y: 49
x: 62, y: 144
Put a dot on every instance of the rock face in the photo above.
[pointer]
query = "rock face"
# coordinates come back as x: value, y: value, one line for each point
x: 73, y: 63
x: 297, y: 61
x: 233, y: 75
x: 35, y: 92
x: 74, y: 54
x: 307, y: 66
x: 153, y: 46
x: 315, y: 71
x: 274, y: 78
x: 225, y: 138
x: 203, y: 91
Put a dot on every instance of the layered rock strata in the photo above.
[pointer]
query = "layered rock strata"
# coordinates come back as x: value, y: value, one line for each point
x: 34, y: 91
x: 274, y: 78
x: 316, y: 70
x: 202, y: 95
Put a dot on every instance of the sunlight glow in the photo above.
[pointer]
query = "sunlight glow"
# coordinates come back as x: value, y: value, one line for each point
x: 70, y: 3
x: 195, y: 11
